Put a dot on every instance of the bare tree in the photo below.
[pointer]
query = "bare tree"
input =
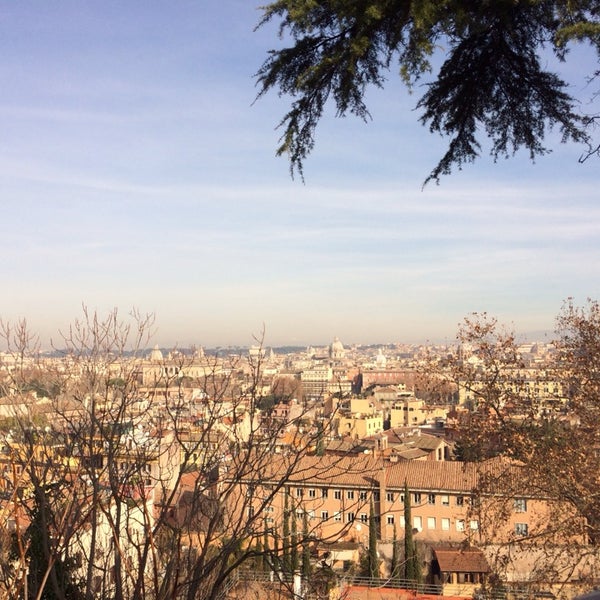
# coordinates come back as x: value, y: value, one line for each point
x: 534, y: 433
x: 133, y: 472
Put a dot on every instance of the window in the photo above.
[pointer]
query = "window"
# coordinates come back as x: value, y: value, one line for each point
x: 430, y: 498
x: 324, y: 492
x: 417, y: 497
x: 312, y: 493
x: 269, y: 520
x: 350, y: 495
x: 337, y: 516
x: 349, y: 517
x: 364, y: 517
x: 390, y: 519
x: 376, y: 496
x: 362, y: 495
x: 460, y: 500
x: 337, y: 494
x: 460, y: 525
x: 418, y: 523
x: 324, y: 515
x: 430, y: 522
x: 402, y: 521
x: 520, y: 505
x: 389, y: 496
x: 521, y: 529
x: 445, y: 524
x: 445, y: 500
x: 474, y: 525
x: 299, y: 492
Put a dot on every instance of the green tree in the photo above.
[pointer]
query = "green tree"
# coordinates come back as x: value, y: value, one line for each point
x: 294, y: 556
x: 306, y: 567
x: 51, y: 574
x: 286, y: 535
x: 372, y: 558
x: 395, y: 564
x: 493, y: 78
x: 412, y: 565
x: 320, y: 447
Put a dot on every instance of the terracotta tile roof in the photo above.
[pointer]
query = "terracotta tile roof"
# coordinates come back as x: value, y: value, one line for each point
x: 408, y: 453
x: 433, y: 475
x: 357, y: 471
x: 356, y: 592
x: 364, y: 471
x: 425, y: 441
x: 461, y: 561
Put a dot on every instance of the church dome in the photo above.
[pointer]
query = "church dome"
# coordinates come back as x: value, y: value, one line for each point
x: 336, y: 349
x: 156, y: 355
x: 381, y: 359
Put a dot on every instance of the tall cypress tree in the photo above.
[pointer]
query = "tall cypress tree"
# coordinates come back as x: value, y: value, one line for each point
x: 294, y: 558
x: 395, y: 566
x: 373, y: 561
x: 306, y: 569
x: 268, y: 558
x: 260, y: 556
x: 320, y: 446
x: 409, y: 545
x: 286, y: 533
x: 43, y: 556
x: 277, y: 560
x: 412, y: 565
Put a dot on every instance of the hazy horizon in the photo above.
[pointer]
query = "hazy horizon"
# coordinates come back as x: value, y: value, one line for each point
x: 137, y: 171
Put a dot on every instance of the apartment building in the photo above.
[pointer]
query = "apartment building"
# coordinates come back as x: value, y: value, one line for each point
x: 338, y: 494
x: 359, y: 426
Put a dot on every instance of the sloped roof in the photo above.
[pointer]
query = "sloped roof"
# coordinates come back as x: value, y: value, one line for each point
x: 433, y: 475
x: 407, y: 453
x: 426, y: 441
x: 368, y: 471
x: 461, y: 561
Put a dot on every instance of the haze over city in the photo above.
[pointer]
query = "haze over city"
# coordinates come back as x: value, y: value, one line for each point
x: 137, y: 171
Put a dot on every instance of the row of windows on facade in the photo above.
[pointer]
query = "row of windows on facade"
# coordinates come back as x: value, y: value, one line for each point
x: 416, y: 497
x: 520, y: 504
x: 521, y: 529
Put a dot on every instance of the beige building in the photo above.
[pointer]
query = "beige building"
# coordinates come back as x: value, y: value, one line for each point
x: 321, y: 381
x: 337, y: 495
x: 359, y: 426
x: 408, y: 411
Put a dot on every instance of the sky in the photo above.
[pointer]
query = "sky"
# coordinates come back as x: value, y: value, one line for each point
x: 138, y: 172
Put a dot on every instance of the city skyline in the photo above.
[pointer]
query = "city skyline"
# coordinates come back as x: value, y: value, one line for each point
x: 137, y: 171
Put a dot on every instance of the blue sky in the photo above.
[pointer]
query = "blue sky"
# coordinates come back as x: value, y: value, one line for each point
x: 135, y: 171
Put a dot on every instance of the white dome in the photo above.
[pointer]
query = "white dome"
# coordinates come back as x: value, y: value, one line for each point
x: 336, y: 349
x: 156, y: 355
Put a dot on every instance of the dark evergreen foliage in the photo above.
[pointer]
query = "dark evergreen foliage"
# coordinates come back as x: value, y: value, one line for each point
x: 492, y: 81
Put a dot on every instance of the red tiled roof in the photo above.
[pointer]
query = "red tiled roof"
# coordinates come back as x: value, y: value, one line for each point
x: 461, y: 561
x: 433, y: 475
x: 357, y: 592
x: 367, y: 471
